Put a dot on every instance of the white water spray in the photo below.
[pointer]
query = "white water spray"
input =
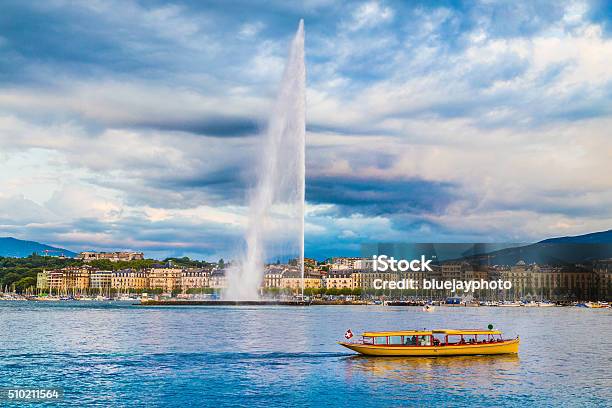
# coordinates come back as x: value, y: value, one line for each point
x: 276, y: 209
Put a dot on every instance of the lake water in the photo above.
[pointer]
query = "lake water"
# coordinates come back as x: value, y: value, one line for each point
x: 115, y: 354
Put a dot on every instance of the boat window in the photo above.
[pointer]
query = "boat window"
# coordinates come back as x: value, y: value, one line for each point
x: 469, y: 338
x: 454, y: 339
x: 439, y: 339
x: 380, y: 340
x: 410, y: 340
x: 395, y: 339
x: 424, y: 341
x: 368, y: 340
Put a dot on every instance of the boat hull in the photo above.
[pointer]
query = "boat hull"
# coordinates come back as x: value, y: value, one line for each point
x: 505, y: 347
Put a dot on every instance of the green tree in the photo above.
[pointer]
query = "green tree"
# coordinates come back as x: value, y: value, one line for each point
x: 9, y: 279
x: 24, y: 283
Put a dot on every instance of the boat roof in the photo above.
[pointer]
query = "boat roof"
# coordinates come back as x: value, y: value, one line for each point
x: 430, y: 332
x: 398, y: 333
x: 466, y: 331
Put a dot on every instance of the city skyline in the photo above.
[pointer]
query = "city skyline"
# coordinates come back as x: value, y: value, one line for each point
x: 431, y: 122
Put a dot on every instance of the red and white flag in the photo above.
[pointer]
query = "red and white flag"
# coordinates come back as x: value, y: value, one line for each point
x: 348, y: 334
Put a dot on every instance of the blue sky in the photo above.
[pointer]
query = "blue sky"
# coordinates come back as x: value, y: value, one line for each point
x: 134, y: 125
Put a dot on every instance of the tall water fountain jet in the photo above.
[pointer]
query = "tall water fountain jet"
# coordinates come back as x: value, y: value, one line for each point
x: 276, y: 203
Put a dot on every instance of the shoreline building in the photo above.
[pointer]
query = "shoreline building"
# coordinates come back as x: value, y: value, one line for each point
x: 70, y: 279
x: 549, y: 282
x: 602, y: 270
x: 339, y: 280
x: 194, y: 279
x: 42, y: 280
x: 217, y: 279
x: 100, y: 280
x: 364, y: 279
x: 292, y: 279
x: 167, y: 279
x: 88, y: 256
x: 344, y: 264
x: 273, y: 276
x: 129, y: 279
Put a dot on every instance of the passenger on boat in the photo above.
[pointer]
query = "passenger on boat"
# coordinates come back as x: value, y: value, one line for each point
x: 425, y: 341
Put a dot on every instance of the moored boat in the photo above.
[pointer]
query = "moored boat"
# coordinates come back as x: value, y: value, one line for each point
x: 594, y: 305
x: 428, y: 343
x: 509, y: 304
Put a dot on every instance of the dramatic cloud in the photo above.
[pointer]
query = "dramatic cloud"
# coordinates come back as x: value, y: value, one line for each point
x: 136, y: 125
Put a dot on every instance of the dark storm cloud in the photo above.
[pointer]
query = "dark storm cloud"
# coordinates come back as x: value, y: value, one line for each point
x: 71, y: 37
x: 378, y: 197
x: 225, y: 186
x: 219, y: 126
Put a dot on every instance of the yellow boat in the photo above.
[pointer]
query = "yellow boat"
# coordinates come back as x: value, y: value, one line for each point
x: 428, y: 343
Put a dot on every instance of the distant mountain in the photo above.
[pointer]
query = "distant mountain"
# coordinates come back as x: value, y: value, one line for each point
x: 603, y: 237
x: 17, y: 248
x: 554, y: 251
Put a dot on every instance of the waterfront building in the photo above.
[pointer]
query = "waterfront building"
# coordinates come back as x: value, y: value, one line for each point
x: 100, y: 280
x: 129, y: 279
x: 217, y: 279
x: 602, y: 271
x: 363, y: 264
x: 339, y: 268
x: 364, y: 279
x: 339, y: 280
x: 358, y: 279
x: 548, y: 282
x: 194, y: 278
x: 167, y: 279
x: 292, y: 279
x: 70, y: 279
x: 111, y: 256
x: 42, y: 280
x: 455, y: 270
x: 344, y: 263
x: 56, y: 280
x: 273, y: 276
x: 475, y: 275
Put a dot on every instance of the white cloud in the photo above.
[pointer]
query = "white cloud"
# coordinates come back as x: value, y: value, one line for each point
x: 370, y: 14
x: 250, y: 30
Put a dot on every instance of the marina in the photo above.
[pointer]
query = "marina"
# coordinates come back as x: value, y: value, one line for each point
x: 222, y: 303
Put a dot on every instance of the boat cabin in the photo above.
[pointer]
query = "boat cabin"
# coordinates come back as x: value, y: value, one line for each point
x: 427, y: 338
